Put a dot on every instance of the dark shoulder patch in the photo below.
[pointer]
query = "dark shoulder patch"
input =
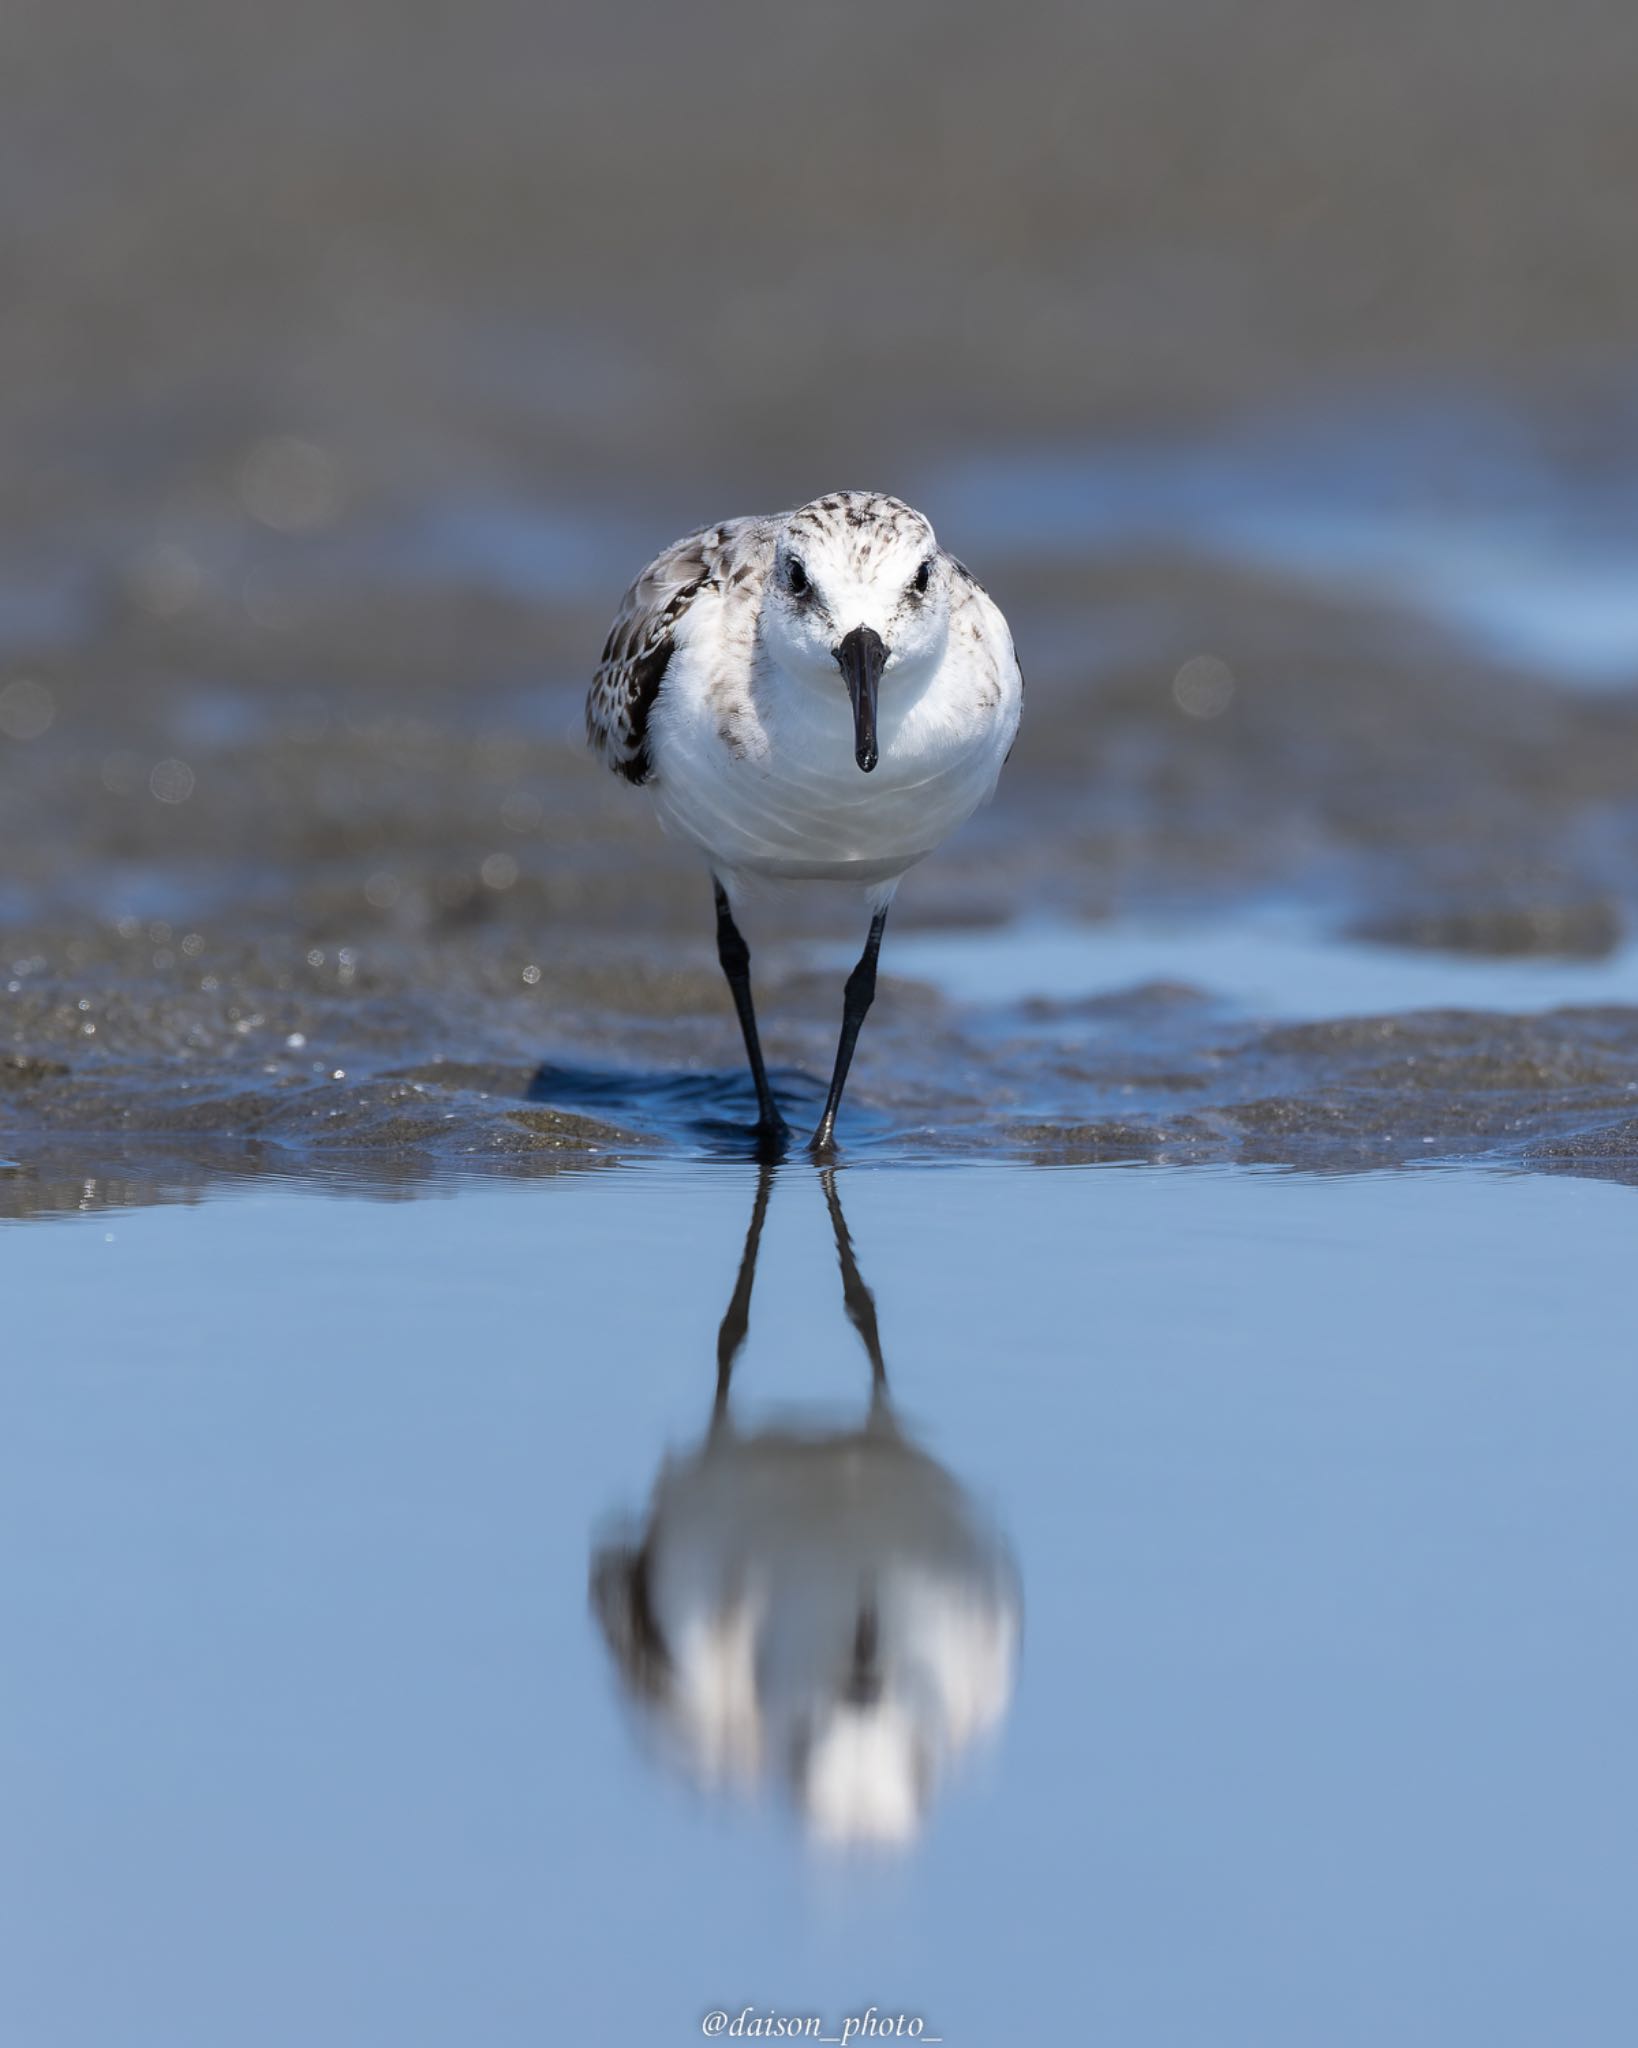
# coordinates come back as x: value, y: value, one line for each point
x: 647, y: 673
x: 638, y: 672
x: 622, y: 1600
x: 638, y: 650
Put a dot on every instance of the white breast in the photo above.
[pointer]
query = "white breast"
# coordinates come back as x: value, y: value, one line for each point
x: 764, y: 781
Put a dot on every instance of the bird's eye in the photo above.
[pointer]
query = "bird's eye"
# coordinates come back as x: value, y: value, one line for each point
x: 924, y: 576
x: 797, y: 577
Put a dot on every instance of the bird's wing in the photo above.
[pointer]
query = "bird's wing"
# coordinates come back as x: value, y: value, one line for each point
x: 644, y: 634
x: 996, y: 637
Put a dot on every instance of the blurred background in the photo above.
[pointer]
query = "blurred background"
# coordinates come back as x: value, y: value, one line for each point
x: 1273, y: 363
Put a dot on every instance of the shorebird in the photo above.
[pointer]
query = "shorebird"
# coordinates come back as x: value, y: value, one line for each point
x: 816, y: 696
x: 830, y: 1605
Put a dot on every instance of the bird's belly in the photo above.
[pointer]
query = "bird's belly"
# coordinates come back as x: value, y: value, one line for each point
x: 797, y: 820
x: 809, y: 814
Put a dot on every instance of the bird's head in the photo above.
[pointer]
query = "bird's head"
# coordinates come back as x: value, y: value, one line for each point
x: 859, y: 592
x: 864, y: 1774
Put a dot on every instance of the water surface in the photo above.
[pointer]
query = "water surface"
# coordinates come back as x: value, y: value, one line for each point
x: 1316, y: 1494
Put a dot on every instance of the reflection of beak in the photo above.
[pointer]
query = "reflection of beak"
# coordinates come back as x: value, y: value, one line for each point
x: 862, y: 657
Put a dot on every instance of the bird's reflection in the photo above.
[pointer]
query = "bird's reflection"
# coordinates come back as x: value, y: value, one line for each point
x: 827, y: 1607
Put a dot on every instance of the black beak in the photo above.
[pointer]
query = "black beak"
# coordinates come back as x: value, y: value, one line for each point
x: 862, y: 656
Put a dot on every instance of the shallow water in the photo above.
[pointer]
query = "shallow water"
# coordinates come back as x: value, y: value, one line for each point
x: 1313, y: 1500
x: 1515, y: 534
x: 1273, y: 966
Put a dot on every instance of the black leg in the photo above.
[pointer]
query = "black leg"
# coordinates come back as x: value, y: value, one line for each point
x: 856, y: 1001
x: 735, y: 956
x: 737, y: 1317
x: 856, y: 1296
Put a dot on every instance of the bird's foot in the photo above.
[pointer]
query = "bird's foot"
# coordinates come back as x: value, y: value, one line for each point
x: 773, y: 1138
x: 822, y: 1145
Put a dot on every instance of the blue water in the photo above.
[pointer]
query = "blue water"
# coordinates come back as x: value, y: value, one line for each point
x: 1516, y: 533
x: 1318, y: 1494
x: 1276, y: 964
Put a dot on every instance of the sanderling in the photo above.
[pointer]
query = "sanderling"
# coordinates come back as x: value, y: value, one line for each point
x: 816, y: 696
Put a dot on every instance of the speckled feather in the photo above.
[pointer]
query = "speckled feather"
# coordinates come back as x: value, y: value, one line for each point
x: 732, y: 556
